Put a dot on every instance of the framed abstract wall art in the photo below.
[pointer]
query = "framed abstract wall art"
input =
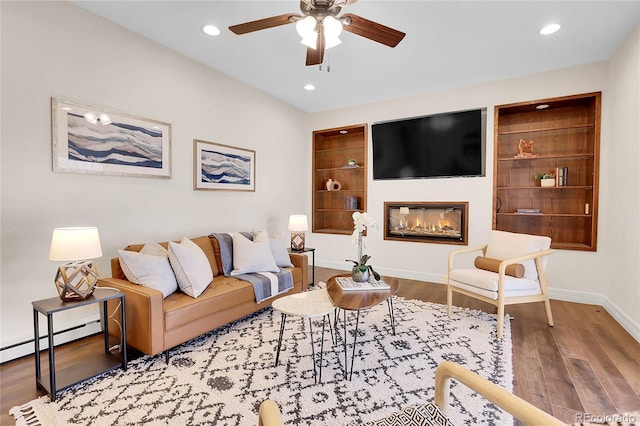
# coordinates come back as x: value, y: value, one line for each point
x: 223, y: 167
x: 89, y: 139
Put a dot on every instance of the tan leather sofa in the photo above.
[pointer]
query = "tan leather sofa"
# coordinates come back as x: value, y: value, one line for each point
x: 156, y: 324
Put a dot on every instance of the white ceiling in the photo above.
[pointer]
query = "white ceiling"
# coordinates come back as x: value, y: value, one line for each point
x: 448, y: 43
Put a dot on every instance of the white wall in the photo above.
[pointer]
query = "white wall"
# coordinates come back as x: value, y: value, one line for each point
x: 574, y: 275
x: 57, y: 49
x: 622, y: 241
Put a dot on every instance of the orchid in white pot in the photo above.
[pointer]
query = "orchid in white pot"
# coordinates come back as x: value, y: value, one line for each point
x: 360, y: 271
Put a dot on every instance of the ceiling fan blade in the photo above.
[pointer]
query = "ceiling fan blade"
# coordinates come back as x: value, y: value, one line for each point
x: 262, y: 24
x: 372, y: 30
x: 316, y: 56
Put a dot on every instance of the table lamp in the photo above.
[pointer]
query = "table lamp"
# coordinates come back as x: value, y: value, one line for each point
x: 76, y: 279
x: 298, y: 225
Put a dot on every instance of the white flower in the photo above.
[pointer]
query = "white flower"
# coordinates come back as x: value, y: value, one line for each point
x: 361, y: 221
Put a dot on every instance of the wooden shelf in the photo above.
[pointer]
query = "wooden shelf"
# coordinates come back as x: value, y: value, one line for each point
x: 332, y: 149
x: 552, y: 130
x: 564, y: 188
x: 547, y: 157
x: 545, y: 214
x: 564, y: 135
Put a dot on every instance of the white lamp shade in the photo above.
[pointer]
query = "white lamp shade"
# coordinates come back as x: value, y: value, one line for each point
x: 306, y: 26
x: 298, y: 223
x: 310, y: 40
x: 404, y: 210
x: 70, y: 244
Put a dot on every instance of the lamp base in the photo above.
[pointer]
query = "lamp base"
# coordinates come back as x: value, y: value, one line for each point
x: 297, y: 241
x: 76, y: 280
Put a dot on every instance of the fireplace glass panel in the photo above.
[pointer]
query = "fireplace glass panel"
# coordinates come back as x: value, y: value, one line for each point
x: 430, y: 222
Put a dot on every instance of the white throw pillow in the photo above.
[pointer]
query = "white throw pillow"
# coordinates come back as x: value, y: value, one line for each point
x: 252, y: 256
x: 149, y: 271
x: 280, y: 254
x: 154, y: 249
x: 191, y: 267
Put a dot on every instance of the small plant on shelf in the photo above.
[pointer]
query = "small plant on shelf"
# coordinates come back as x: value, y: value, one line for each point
x: 548, y: 175
x: 546, y: 179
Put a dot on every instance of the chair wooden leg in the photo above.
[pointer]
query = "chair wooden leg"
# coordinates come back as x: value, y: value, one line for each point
x: 547, y: 308
x: 500, y: 320
x: 449, y: 299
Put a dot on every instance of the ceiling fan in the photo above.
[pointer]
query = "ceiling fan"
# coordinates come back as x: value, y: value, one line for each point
x: 319, y: 26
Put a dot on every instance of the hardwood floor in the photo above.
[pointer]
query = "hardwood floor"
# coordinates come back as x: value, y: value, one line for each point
x: 586, y: 363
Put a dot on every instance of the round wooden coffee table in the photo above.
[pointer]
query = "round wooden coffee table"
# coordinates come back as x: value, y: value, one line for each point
x: 357, y: 300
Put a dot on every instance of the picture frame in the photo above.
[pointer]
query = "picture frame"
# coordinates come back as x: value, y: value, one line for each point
x: 223, y: 167
x: 98, y: 140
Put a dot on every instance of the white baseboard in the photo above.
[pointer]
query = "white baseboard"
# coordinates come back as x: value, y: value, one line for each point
x: 618, y: 314
x: 584, y: 297
x: 399, y: 273
x: 93, y: 326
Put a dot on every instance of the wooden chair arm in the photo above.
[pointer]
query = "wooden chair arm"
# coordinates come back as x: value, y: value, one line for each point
x: 269, y: 414
x: 515, y: 406
x: 462, y: 251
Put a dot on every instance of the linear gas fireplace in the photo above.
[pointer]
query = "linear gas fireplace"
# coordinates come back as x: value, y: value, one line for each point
x: 427, y: 222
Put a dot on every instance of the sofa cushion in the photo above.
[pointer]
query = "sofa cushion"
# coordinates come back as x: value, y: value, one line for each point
x: 508, y: 245
x: 223, y: 248
x: 155, y: 249
x: 191, y: 266
x: 280, y: 254
x: 148, y: 270
x: 252, y: 256
x: 224, y: 293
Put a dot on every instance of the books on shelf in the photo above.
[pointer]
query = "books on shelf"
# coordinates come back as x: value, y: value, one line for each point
x: 528, y: 211
x: 561, y: 176
x: 348, y: 284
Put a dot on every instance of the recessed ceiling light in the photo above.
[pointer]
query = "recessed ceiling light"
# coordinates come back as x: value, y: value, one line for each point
x: 344, y: 132
x: 542, y: 106
x: 66, y: 108
x: 309, y: 87
x: 211, y: 30
x: 549, y: 29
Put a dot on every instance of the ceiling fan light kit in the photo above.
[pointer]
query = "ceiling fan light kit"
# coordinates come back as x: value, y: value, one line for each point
x: 320, y: 27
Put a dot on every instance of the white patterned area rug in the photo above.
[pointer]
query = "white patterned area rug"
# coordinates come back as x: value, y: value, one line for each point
x: 222, y: 377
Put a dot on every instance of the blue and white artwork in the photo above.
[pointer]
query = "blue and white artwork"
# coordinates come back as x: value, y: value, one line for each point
x: 223, y: 167
x: 218, y: 167
x: 88, y: 139
x: 114, y: 143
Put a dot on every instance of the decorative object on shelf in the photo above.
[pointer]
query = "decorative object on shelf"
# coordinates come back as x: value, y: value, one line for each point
x: 561, y: 176
x: 525, y: 149
x: 76, y: 279
x: 546, y: 179
x: 223, y: 167
x: 90, y: 139
x: 297, y: 226
x: 333, y: 185
x: 350, y: 203
x: 360, y: 271
x: 351, y: 162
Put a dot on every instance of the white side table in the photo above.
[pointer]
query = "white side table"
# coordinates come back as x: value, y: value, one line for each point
x: 310, y: 304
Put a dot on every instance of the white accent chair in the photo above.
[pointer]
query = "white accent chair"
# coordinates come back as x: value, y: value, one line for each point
x: 498, y: 288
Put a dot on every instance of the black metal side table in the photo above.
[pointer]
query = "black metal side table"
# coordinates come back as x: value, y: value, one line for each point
x: 313, y: 260
x: 90, y: 367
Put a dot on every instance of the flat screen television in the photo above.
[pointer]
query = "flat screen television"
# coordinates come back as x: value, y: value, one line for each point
x: 450, y: 144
